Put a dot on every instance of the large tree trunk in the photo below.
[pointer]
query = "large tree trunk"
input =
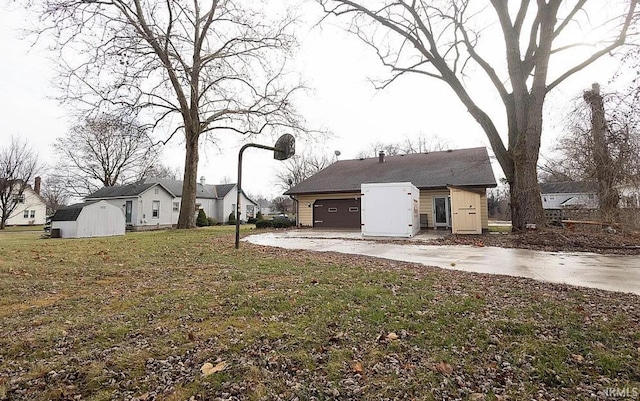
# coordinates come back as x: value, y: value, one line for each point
x: 526, y: 204
x: 187, y: 218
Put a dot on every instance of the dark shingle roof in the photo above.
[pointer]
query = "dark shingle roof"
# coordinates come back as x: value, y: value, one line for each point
x: 462, y: 167
x: 70, y: 213
x: 175, y: 187
x: 568, y: 187
x: 121, y: 191
x: 223, y: 189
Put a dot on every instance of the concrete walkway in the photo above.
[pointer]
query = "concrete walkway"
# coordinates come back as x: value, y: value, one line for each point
x: 607, y: 272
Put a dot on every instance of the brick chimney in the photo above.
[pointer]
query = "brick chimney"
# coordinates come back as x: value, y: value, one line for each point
x: 203, y: 180
x: 381, y: 156
x: 36, y: 185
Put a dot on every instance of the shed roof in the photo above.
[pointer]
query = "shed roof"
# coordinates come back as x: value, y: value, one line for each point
x: 569, y: 187
x: 462, y: 167
x: 70, y: 213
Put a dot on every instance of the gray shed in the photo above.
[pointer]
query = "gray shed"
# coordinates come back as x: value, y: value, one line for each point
x: 88, y: 219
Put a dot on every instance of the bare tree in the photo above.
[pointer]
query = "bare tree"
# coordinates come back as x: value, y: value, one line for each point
x: 159, y: 170
x: 55, y: 194
x: 282, y: 204
x: 421, y: 144
x: 602, y: 144
x: 18, y: 165
x: 300, y: 167
x: 102, y: 151
x: 447, y: 40
x: 194, y: 68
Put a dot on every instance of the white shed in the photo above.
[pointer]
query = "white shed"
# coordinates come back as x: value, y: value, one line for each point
x: 89, y: 219
x: 390, y: 209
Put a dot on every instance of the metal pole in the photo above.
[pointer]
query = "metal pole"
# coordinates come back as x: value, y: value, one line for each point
x: 239, y: 185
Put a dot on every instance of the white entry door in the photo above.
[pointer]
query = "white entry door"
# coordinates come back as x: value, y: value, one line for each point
x: 466, y: 212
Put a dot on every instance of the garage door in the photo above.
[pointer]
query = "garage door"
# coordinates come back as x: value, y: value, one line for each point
x: 336, y: 213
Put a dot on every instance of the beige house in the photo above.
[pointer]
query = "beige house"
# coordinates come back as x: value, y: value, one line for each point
x: 452, y: 188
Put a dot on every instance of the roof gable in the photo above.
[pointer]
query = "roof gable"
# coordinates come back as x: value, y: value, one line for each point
x: 223, y: 189
x: 462, y: 167
x: 124, y: 191
x: 175, y: 187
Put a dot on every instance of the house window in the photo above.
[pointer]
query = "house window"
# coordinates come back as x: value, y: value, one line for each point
x: 176, y: 206
x: 25, y: 214
x: 552, y: 197
x: 18, y: 198
x: 155, y: 209
x: 591, y: 196
x: 353, y: 209
x: 32, y: 214
x: 332, y: 210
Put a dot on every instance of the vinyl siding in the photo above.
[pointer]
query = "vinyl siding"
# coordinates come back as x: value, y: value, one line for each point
x: 305, y: 205
x: 426, y: 202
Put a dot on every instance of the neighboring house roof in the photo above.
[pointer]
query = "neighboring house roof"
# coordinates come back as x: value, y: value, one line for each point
x: 223, y: 189
x: 175, y: 187
x: 569, y: 187
x: 462, y: 167
x: 124, y: 191
x: 70, y: 213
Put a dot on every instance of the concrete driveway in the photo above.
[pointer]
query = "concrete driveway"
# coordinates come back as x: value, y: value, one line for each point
x: 607, y: 272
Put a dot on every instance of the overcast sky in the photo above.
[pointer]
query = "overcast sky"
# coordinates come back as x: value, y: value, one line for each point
x: 342, y: 100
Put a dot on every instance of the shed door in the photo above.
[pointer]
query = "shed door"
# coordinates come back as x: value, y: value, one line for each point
x: 336, y: 213
x: 466, y: 215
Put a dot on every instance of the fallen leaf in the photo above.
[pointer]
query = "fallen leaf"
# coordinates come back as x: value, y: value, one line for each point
x: 358, y: 368
x: 453, y: 264
x: 208, y: 368
x: 444, y: 368
x: 577, y: 357
x: 392, y: 336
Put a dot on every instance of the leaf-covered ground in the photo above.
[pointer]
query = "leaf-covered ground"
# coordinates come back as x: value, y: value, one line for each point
x: 181, y: 315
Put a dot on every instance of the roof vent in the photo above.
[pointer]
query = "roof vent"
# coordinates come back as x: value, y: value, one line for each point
x: 203, y: 180
x: 449, y: 150
x: 381, y: 157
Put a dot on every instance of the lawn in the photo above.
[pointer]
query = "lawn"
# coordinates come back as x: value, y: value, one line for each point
x: 140, y: 316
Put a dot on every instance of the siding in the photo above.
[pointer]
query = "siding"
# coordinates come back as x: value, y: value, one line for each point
x: 305, y: 205
x: 426, y: 202
x: 31, y: 202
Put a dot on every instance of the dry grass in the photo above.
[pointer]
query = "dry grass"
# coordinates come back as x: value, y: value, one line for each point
x: 136, y: 317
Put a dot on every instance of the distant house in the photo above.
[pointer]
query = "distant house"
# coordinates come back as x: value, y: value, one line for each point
x: 629, y: 195
x: 569, y: 194
x: 88, y: 219
x: 31, y: 208
x: 153, y: 203
x: 452, y: 185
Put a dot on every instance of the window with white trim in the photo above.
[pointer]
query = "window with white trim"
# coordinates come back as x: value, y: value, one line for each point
x: 155, y: 209
x: 32, y: 214
x: 25, y: 214
x: 176, y: 206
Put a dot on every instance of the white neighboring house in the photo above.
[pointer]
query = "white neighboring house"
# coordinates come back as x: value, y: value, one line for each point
x: 569, y: 194
x: 153, y: 203
x: 30, y: 209
x: 89, y: 219
x: 145, y: 206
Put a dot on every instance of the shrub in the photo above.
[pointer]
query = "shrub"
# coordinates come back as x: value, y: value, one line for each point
x: 212, y: 221
x: 283, y: 223
x: 202, y: 220
x: 264, y: 224
x: 232, y: 219
x: 252, y: 220
x: 259, y: 216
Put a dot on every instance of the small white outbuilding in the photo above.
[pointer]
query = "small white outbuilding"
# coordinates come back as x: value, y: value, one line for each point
x: 390, y: 209
x: 89, y: 219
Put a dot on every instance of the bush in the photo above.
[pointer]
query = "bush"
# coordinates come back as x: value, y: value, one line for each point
x: 252, y: 220
x: 202, y: 220
x: 213, y: 221
x: 283, y: 223
x: 232, y: 219
x: 264, y: 224
x: 259, y: 216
